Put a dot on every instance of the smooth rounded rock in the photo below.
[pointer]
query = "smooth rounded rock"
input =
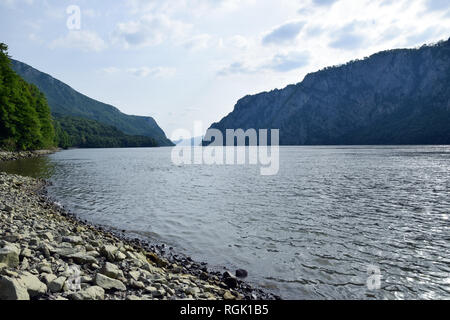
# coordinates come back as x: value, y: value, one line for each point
x: 241, y: 273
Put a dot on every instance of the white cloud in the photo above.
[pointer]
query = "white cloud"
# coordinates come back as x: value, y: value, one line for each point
x: 236, y: 68
x: 81, y: 40
x: 238, y: 41
x: 224, y: 37
x: 111, y: 70
x: 157, y: 72
x: 13, y: 3
x: 198, y: 42
x: 142, y: 72
x: 193, y: 8
x: 35, y: 38
x: 280, y: 62
x: 149, y: 30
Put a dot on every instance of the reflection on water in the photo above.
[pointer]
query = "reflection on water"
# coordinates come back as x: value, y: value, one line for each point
x: 39, y: 167
x: 311, y: 232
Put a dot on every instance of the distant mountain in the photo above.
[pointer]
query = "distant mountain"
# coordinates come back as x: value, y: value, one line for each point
x: 65, y: 101
x: 393, y: 97
x: 195, y: 141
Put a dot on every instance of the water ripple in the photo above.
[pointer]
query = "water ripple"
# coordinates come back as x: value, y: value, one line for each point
x: 310, y: 232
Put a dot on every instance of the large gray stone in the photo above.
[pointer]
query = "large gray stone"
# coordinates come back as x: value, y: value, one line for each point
x: 65, y: 252
x: 26, y: 253
x: 73, y: 239
x: 34, y: 286
x: 57, y: 284
x: 48, y: 277
x: 108, y: 251
x: 12, y: 289
x: 120, y: 256
x: 112, y: 271
x: 47, y: 236
x: 45, y: 268
x: 137, y: 284
x: 82, y: 258
x: 135, y: 274
x: 91, y: 293
x: 108, y: 283
x: 9, y: 255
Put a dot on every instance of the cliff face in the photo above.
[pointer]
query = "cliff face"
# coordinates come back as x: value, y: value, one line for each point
x: 393, y: 97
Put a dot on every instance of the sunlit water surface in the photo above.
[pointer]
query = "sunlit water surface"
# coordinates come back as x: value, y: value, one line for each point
x: 310, y: 232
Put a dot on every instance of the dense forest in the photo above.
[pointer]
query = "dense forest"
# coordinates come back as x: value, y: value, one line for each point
x: 25, y: 119
x: 86, y: 133
x: 26, y: 122
x: 64, y: 100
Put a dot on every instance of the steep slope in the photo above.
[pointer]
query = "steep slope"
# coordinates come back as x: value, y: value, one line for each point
x: 65, y: 101
x: 25, y: 119
x: 393, y: 97
x: 85, y: 133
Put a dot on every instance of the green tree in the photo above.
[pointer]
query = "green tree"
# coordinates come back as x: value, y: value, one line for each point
x: 25, y: 119
x: 85, y: 133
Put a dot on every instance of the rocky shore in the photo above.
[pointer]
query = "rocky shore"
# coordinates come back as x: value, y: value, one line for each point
x: 47, y: 254
x: 9, y: 156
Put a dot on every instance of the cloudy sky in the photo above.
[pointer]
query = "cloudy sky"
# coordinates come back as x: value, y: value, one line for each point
x: 186, y: 60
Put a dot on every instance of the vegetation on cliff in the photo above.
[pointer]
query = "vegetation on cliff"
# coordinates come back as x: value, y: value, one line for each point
x: 25, y: 119
x: 85, y: 133
x: 65, y: 101
x: 398, y: 96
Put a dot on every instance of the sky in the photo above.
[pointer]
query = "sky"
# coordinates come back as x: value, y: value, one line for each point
x: 182, y: 61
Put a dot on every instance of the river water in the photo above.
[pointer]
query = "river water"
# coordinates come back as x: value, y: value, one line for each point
x: 334, y: 223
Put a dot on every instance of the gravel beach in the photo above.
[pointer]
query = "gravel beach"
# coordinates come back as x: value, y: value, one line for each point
x: 9, y: 156
x: 48, y: 254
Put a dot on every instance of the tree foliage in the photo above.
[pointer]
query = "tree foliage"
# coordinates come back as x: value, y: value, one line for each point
x: 85, y: 133
x: 64, y: 100
x: 25, y: 119
x: 27, y: 124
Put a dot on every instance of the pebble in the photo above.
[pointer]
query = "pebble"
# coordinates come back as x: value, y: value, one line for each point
x: 56, y: 257
x: 241, y: 273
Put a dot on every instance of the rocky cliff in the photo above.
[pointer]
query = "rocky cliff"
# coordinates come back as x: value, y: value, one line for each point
x: 392, y: 97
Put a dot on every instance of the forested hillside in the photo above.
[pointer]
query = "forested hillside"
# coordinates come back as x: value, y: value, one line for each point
x: 85, y: 133
x: 25, y: 119
x: 26, y: 122
x: 65, y: 101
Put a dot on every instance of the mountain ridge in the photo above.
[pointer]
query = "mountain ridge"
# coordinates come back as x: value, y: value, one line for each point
x: 399, y: 96
x: 66, y: 101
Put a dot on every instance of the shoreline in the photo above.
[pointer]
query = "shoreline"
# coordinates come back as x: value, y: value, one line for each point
x: 41, y: 244
x: 17, y: 155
